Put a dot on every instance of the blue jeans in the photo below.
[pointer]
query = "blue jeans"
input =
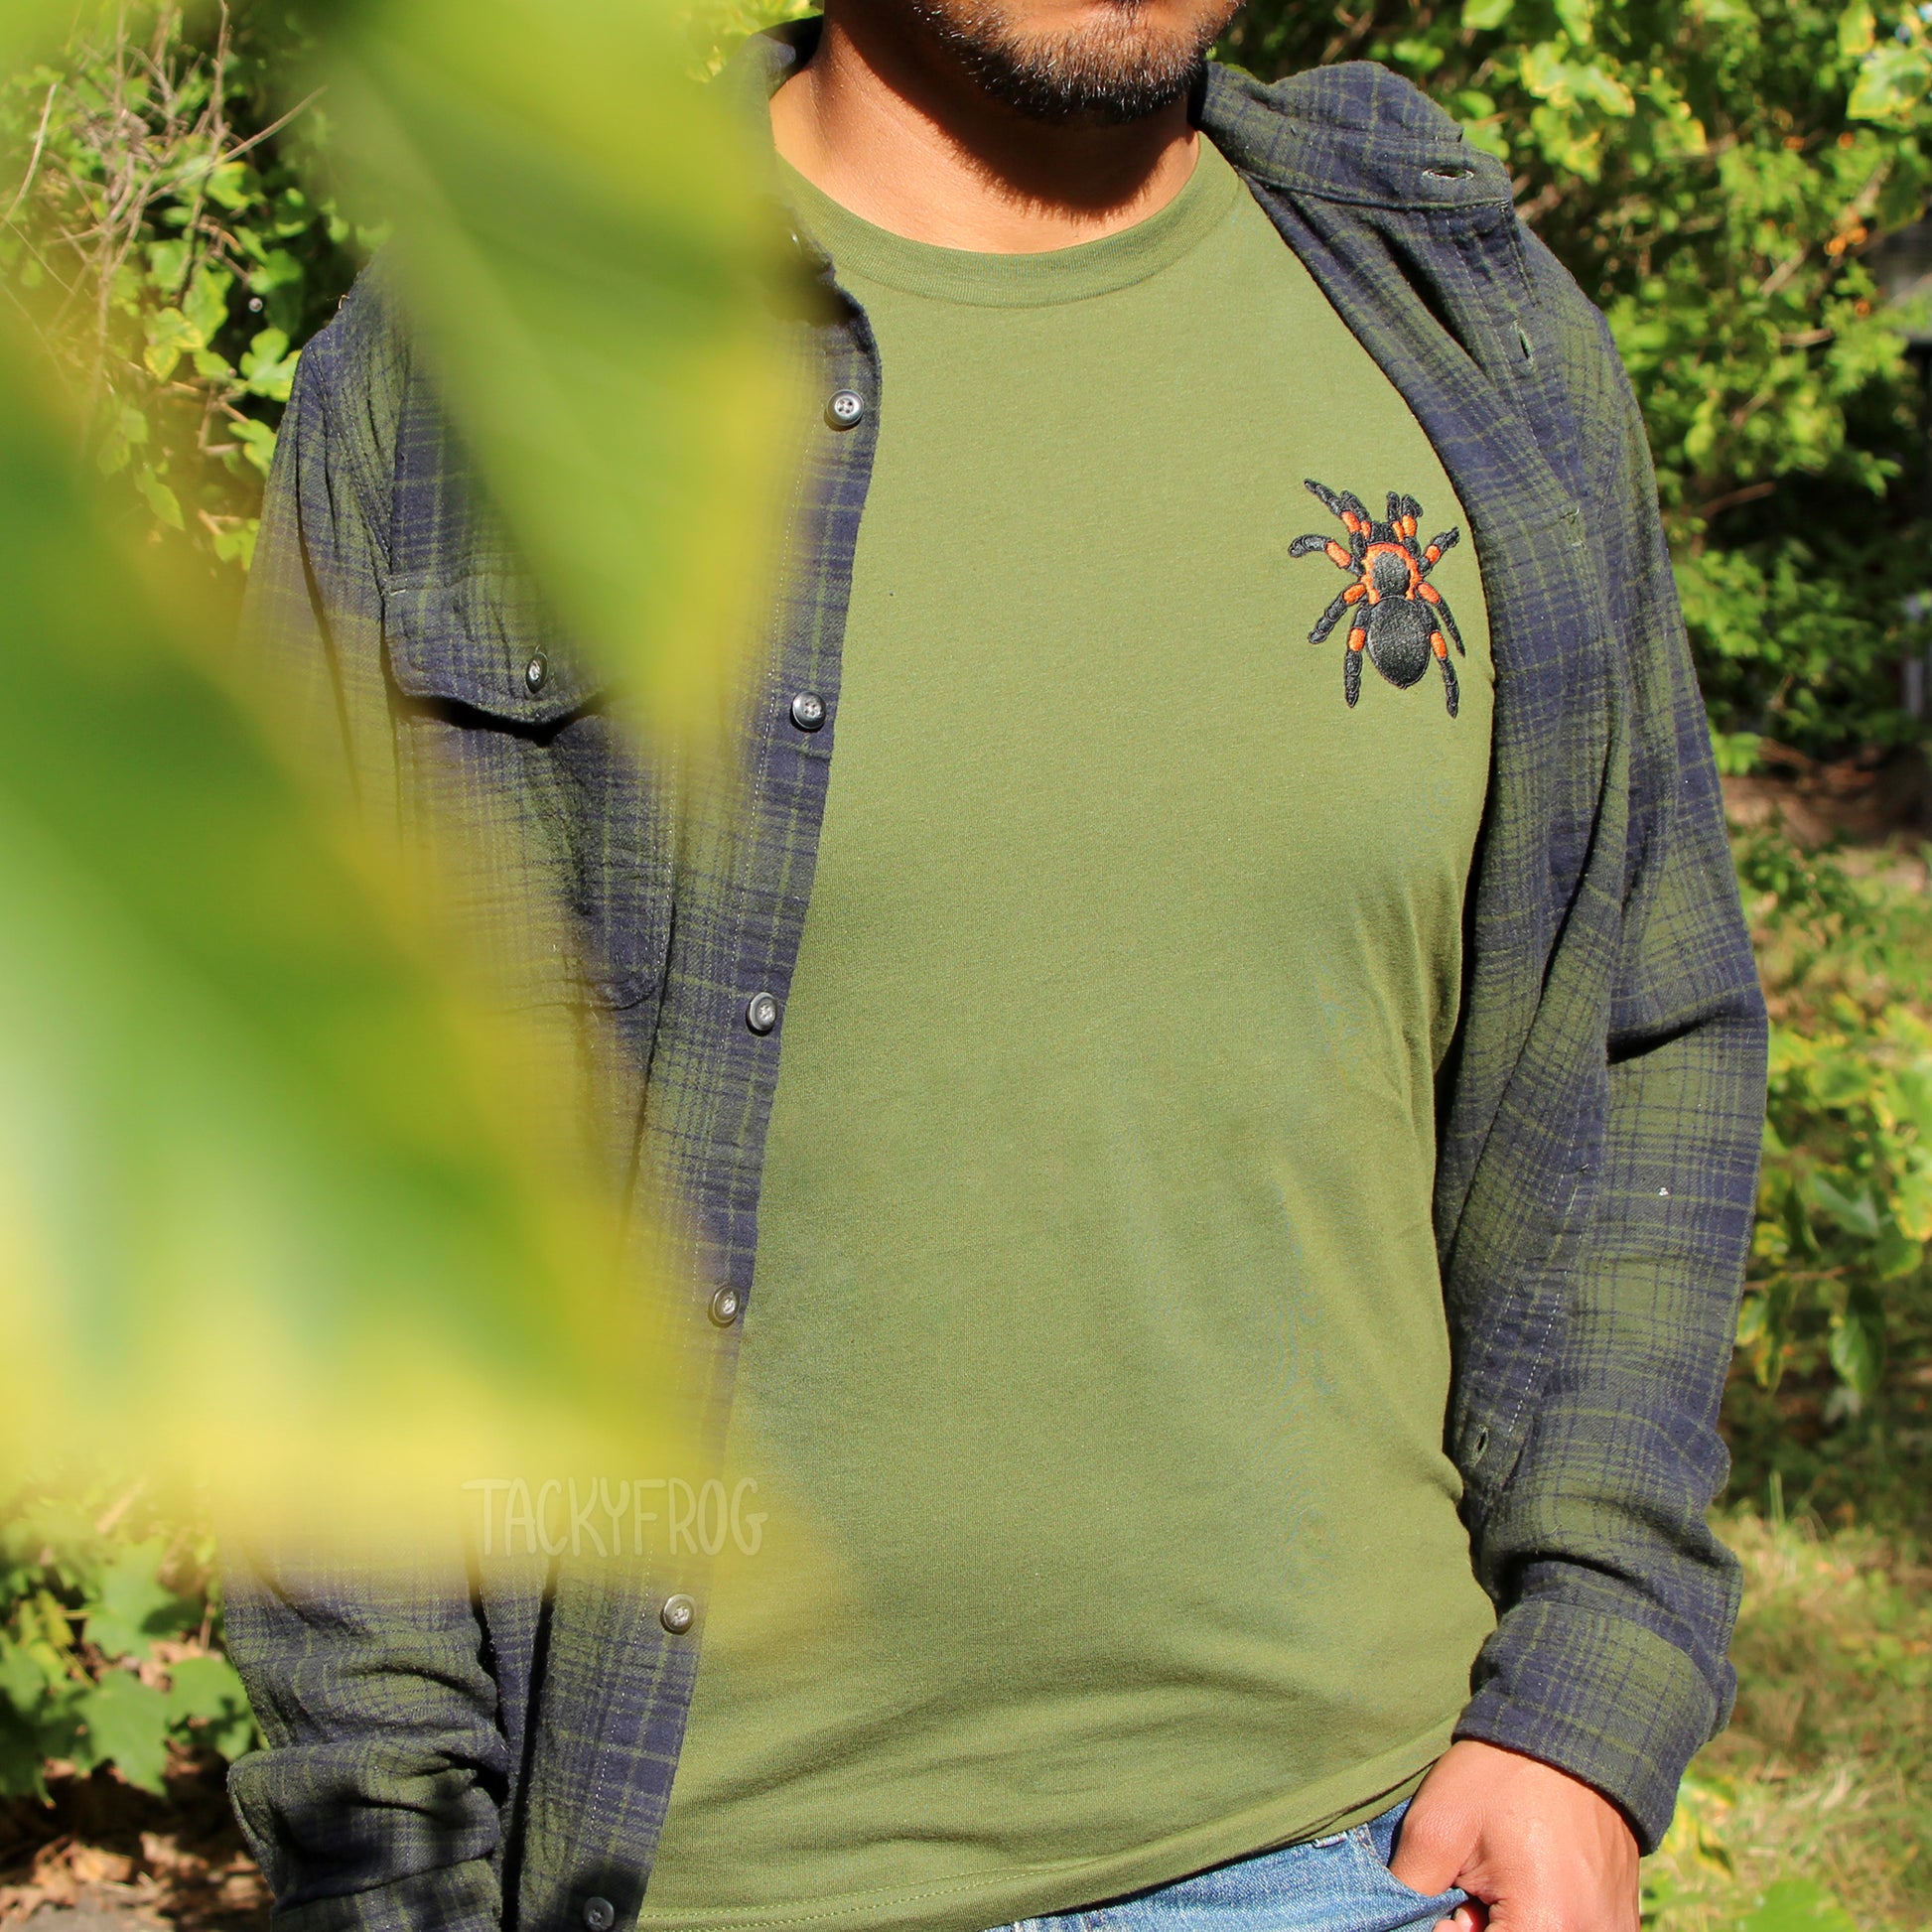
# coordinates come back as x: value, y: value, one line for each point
x: 1323, y: 1884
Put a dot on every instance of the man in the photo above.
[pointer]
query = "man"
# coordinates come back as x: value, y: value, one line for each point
x: 1222, y: 1120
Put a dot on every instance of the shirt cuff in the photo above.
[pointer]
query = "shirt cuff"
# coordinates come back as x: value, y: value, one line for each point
x: 1600, y: 1697
x: 454, y: 1898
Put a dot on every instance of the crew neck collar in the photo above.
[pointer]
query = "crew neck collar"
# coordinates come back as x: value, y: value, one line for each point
x: 1018, y: 281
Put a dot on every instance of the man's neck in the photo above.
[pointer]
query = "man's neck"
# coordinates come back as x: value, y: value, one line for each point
x: 890, y: 125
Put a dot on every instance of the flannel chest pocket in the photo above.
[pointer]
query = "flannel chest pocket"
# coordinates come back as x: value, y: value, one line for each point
x: 557, y: 834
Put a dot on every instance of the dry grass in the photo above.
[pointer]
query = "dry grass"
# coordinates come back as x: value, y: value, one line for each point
x: 1819, y: 1795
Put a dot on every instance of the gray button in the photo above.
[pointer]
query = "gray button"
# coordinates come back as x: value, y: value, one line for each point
x: 678, y: 1614
x: 808, y: 711
x: 536, y: 671
x: 600, y: 1914
x: 725, y: 1305
x: 761, y: 1012
x: 845, y: 409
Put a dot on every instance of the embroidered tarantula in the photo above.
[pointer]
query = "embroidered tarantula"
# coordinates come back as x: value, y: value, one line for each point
x: 1406, y: 621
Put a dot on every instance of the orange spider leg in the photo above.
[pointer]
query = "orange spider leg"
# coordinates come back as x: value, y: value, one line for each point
x: 1451, y: 696
x: 1338, y: 556
x: 1351, y: 666
x: 1430, y: 594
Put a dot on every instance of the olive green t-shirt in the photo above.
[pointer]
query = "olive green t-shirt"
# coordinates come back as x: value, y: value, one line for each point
x: 1095, y: 1367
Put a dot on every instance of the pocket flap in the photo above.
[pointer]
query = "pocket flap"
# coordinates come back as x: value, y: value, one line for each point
x: 483, y: 644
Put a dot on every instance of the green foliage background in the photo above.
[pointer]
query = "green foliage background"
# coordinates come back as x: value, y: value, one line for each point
x: 166, y: 221
x: 110, y: 1644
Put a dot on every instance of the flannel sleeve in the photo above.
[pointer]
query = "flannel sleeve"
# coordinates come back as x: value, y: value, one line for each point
x: 1618, y: 1600
x: 375, y: 1804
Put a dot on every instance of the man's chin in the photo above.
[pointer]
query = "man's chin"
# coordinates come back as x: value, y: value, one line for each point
x: 1113, y: 70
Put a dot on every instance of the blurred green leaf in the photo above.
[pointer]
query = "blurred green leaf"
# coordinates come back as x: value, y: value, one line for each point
x: 170, y: 337
x: 322, y: 1146
x: 1897, y: 1255
x: 329, y: 1229
x: 1798, y: 1906
x: 1857, y: 1349
x: 1578, y: 20
x: 207, y: 1692
x: 135, y: 1607
x: 160, y: 498
x: 168, y: 265
x: 1852, y: 1210
x: 1419, y: 55
x: 125, y: 1723
x: 267, y: 367
x: 227, y: 186
x: 1912, y: 1204
x: 1892, y: 80
x: 259, y: 440
x: 205, y: 307
x: 589, y: 279
x: 23, y: 1683
x: 1737, y: 753
x: 127, y: 431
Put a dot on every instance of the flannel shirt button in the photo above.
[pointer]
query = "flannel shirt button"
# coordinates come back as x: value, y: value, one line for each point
x: 678, y: 1614
x: 536, y: 671
x: 761, y: 1012
x: 723, y: 1306
x: 808, y: 711
x: 846, y: 409
x: 600, y: 1914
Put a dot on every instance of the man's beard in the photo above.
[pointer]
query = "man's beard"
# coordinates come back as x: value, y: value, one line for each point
x: 1121, y: 69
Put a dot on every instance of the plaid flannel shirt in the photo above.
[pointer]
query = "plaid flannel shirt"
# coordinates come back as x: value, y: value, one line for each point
x: 500, y: 1751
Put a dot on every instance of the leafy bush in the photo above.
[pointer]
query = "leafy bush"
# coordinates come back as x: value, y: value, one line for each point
x: 1838, y: 1285
x: 180, y: 254
x: 110, y: 1643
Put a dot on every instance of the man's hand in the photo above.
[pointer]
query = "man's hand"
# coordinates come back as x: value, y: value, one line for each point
x: 1537, y: 1850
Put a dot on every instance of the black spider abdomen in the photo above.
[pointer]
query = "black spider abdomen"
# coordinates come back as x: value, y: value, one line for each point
x: 1398, y: 640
